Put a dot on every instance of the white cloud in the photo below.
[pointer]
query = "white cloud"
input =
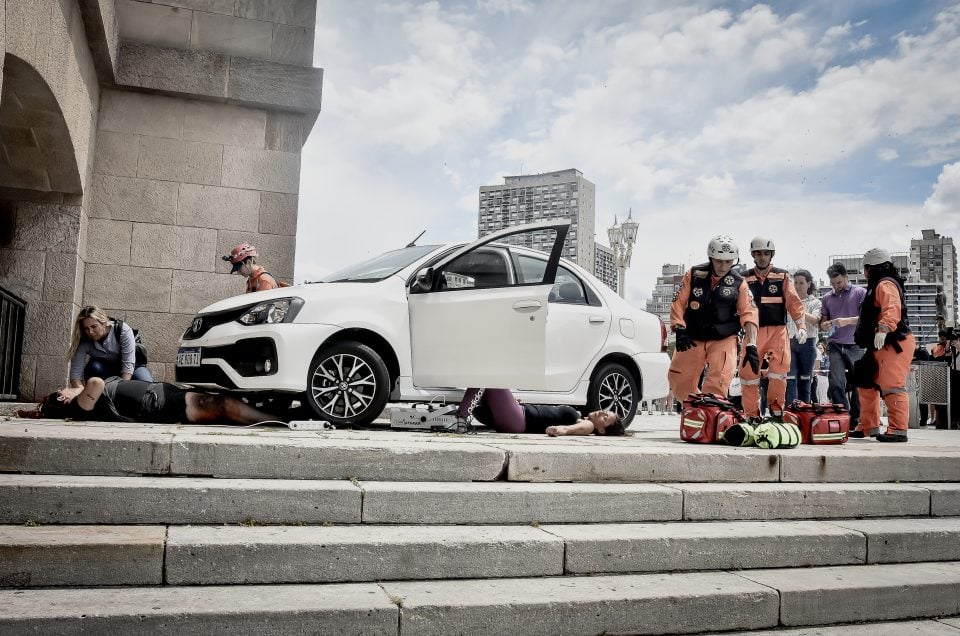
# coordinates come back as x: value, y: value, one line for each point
x: 887, y: 154
x: 505, y: 6
x: 945, y: 199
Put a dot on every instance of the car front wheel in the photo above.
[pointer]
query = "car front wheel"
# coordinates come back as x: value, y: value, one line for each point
x: 347, y: 383
x: 614, y: 388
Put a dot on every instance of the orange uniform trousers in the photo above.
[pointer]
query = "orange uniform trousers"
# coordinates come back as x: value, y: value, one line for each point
x: 773, y: 344
x: 892, y: 380
x: 718, y: 356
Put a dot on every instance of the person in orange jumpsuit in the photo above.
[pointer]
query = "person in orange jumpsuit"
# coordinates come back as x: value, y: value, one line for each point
x: 244, y: 260
x: 884, y: 330
x: 775, y: 295
x: 708, y: 311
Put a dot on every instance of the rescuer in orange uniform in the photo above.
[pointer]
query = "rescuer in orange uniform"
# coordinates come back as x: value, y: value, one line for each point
x: 884, y: 330
x: 711, y: 306
x: 775, y: 296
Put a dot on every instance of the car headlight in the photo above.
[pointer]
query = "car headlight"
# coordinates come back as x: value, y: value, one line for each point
x: 271, y: 312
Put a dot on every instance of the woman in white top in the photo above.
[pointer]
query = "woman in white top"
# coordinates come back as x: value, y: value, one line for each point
x: 802, y: 356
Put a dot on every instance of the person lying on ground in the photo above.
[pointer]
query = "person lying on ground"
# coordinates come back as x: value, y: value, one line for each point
x: 113, y: 400
x: 500, y: 410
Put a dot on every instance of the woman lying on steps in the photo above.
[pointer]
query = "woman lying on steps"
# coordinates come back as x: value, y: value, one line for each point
x: 501, y: 411
x: 113, y: 400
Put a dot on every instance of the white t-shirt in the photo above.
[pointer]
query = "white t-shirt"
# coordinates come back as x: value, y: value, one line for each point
x: 813, y: 306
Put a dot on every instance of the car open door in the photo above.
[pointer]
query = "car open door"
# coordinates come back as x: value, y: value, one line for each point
x: 473, y: 324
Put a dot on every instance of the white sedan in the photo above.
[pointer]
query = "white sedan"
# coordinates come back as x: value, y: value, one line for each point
x: 424, y: 322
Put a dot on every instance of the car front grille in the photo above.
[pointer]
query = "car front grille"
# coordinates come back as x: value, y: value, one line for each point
x: 202, y: 323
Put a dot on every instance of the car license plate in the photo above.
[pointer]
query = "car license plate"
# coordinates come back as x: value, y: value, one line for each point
x: 188, y: 357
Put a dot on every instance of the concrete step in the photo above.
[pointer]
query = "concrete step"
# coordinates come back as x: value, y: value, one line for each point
x: 676, y: 603
x: 88, y: 499
x: 217, y: 555
x: 45, y: 446
x: 947, y: 626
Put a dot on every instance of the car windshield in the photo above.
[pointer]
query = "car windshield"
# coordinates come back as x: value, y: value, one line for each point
x: 379, y: 267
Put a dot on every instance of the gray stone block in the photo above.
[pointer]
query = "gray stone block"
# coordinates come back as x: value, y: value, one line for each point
x: 130, y: 288
x: 869, y: 592
x: 23, y: 271
x: 220, y: 208
x: 892, y: 465
x: 297, y: 12
x: 117, y: 153
x: 219, y: 555
x: 224, y: 7
x: 141, y: 114
x: 141, y: 200
x: 278, y: 213
x: 269, y: 83
x: 174, y: 70
x: 64, y: 499
x: 909, y: 540
x: 653, y: 547
x: 276, y: 251
x: 183, y: 161
x: 505, y: 502
x: 640, y: 604
x: 553, y: 462
x: 61, y: 275
x: 59, y: 448
x: 231, y: 35
x: 292, y: 45
x: 191, y: 248
x: 48, y: 227
x: 192, y: 291
x: 81, y: 555
x: 154, y: 23
x: 343, y: 609
x: 224, y: 124
x: 332, y: 458
x: 50, y: 375
x: 285, y: 131
x: 944, y: 499
x: 109, y: 241
x: 261, y: 169
x: 160, y: 332
x: 48, y: 328
x: 801, y: 501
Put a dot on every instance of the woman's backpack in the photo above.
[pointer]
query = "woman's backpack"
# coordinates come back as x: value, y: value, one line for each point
x: 140, y: 355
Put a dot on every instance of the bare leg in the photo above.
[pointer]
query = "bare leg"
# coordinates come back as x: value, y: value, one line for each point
x: 203, y: 407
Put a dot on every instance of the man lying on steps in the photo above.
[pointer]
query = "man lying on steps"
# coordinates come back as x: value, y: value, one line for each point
x: 115, y: 400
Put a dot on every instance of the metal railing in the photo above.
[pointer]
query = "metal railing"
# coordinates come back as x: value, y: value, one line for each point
x: 13, y: 315
x: 931, y: 385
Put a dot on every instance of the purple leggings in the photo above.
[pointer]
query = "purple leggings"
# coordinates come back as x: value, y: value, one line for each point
x: 505, y: 413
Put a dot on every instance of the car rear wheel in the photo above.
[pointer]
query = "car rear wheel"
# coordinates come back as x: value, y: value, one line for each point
x: 347, y: 383
x: 614, y: 388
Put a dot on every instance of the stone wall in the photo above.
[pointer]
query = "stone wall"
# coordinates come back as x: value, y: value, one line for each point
x: 176, y: 184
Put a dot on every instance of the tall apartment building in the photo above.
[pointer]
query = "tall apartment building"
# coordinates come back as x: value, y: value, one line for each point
x: 564, y: 194
x: 605, y: 267
x: 667, y: 285
x: 933, y: 259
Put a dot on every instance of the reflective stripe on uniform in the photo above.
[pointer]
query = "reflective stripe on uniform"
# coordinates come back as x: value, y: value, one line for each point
x: 886, y: 392
x: 749, y: 382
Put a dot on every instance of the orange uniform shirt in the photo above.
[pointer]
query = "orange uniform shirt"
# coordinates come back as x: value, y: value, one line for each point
x: 887, y: 298
x: 746, y: 308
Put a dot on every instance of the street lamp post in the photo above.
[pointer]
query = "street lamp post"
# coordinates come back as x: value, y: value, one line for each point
x: 622, y: 237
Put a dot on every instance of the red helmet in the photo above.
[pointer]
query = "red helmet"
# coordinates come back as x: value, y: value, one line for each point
x: 239, y: 254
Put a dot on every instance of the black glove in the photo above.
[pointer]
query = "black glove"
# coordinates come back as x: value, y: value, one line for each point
x: 684, y: 341
x: 751, y: 357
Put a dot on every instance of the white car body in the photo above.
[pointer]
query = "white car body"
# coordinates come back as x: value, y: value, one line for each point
x: 437, y: 342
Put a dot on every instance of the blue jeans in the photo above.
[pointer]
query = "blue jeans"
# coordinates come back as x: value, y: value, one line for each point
x: 800, y: 378
x: 842, y: 357
x: 100, y: 368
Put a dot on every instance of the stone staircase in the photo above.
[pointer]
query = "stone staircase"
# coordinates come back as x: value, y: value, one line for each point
x: 120, y: 528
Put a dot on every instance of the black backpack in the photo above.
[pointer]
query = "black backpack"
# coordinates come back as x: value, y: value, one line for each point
x: 140, y: 355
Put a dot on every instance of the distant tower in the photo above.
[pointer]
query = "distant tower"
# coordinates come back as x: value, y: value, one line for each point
x: 933, y: 259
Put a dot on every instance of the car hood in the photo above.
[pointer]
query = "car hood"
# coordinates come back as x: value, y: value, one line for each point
x: 314, y: 293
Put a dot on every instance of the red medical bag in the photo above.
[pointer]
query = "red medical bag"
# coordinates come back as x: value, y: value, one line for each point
x: 705, y: 417
x: 819, y: 423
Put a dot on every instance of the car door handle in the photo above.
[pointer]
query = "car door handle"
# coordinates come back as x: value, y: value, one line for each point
x: 527, y: 304
x: 597, y: 320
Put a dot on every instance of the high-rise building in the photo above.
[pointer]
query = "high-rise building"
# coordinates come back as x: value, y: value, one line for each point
x: 933, y: 259
x: 671, y: 276
x: 605, y: 267
x: 564, y: 194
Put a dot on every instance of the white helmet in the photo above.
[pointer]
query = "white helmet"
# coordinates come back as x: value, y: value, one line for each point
x: 876, y: 256
x: 723, y: 248
x: 761, y: 243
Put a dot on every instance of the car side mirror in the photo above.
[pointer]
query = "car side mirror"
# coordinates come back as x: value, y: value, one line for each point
x: 423, y: 281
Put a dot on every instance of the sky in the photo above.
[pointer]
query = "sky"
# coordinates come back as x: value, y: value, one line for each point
x: 829, y: 127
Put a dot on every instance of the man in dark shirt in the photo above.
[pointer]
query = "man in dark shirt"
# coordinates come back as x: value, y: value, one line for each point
x: 840, y: 311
